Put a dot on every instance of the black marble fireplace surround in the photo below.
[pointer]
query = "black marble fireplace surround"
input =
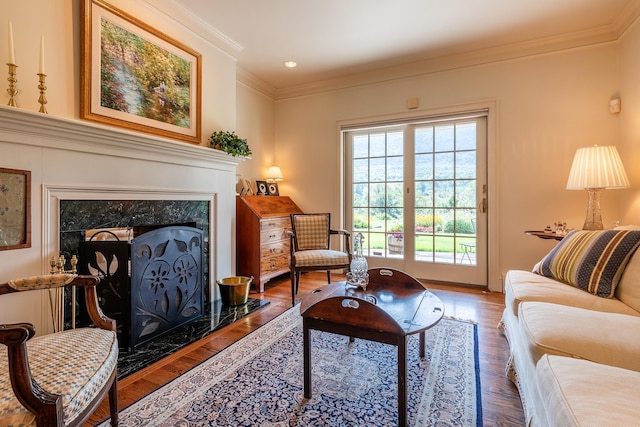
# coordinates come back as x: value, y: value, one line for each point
x: 77, y: 216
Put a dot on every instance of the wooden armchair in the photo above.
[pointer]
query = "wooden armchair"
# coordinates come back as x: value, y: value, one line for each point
x: 57, y: 379
x: 310, y: 248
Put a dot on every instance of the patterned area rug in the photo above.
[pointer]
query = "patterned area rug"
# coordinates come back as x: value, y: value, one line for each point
x: 258, y: 381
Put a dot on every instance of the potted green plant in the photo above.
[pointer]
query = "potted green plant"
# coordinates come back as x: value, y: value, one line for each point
x: 230, y: 143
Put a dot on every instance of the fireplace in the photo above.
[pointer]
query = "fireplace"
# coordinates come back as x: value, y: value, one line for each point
x: 152, y: 257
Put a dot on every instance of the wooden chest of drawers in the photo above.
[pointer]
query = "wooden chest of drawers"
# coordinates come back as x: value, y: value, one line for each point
x: 262, y: 240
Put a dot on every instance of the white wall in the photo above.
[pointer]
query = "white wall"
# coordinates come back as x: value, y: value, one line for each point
x: 256, y: 123
x: 629, y: 66
x: 547, y: 107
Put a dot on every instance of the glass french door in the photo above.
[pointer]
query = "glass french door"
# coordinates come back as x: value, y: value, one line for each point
x: 417, y: 193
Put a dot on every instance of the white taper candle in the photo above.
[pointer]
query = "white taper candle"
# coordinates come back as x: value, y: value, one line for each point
x: 12, y: 52
x: 41, y: 55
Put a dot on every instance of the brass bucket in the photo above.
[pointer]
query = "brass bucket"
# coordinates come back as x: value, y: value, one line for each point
x: 234, y: 290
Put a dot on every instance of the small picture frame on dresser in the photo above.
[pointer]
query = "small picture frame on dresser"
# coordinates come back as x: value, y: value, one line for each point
x: 262, y: 188
x: 272, y: 189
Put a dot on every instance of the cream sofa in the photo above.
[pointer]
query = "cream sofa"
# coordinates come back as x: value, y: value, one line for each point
x: 574, y: 356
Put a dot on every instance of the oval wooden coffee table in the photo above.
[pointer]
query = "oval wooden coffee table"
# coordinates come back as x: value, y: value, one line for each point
x: 385, y: 312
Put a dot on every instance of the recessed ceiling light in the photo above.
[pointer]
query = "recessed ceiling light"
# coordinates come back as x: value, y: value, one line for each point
x: 290, y: 64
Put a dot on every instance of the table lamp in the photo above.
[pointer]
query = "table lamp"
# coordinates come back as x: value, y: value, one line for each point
x: 274, y: 174
x: 594, y: 169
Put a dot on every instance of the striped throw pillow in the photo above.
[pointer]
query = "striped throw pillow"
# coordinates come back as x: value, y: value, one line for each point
x: 591, y: 260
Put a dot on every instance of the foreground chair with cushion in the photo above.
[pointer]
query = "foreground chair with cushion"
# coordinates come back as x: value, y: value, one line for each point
x: 310, y: 242
x: 57, y: 379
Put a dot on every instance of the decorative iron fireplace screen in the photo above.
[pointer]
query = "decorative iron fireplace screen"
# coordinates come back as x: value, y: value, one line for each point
x: 166, y: 281
x: 164, y: 289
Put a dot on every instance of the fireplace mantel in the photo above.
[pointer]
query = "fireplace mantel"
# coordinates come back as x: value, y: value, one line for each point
x: 36, y: 129
x: 72, y: 159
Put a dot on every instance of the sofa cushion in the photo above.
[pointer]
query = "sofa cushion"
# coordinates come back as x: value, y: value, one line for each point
x: 520, y: 285
x: 628, y: 289
x: 591, y: 260
x: 601, y: 337
x: 604, y: 397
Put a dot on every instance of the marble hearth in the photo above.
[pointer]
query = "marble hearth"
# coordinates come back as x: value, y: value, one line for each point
x: 216, y: 317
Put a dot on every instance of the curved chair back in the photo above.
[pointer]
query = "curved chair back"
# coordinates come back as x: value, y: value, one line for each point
x: 311, y: 231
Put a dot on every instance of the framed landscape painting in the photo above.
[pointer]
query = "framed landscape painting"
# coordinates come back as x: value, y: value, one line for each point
x: 15, y: 209
x: 136, y: 77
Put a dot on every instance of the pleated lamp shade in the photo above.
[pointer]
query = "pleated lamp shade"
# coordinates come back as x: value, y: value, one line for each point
x: 594, y: 169
x: 597, y: 167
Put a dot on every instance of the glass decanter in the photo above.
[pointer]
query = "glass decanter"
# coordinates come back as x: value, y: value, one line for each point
x: 358, y: 274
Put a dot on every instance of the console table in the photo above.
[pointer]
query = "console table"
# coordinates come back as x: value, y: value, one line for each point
x: 543, y: 235
x: 262, y: 239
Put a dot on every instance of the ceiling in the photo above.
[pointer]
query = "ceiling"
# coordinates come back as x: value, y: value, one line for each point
x: 336, y: 39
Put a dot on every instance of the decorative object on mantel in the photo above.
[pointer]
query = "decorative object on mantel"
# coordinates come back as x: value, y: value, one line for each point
x: 594, y: 169
x: 230, y: 143
x: 42, y: 98
x: 41, y: 78
x: 12, y: 89
x: 136, y: 77
x: 11, y: 63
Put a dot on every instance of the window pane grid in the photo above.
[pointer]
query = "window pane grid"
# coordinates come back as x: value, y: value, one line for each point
x: 445, y: 191
x: 377, y: 184
x: 444, y: 156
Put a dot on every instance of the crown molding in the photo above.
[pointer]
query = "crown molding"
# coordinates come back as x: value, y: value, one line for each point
x: 452, y: 62
x: 628, y: 16
x: 578, y: 39
x: 197, y: 25
x: 254, y: 82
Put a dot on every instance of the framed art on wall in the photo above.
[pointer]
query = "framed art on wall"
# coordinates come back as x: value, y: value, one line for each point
x: 136, y: 77
x: 15, y: 209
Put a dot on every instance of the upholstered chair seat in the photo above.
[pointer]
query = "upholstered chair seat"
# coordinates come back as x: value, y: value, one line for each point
x: 74, y: 364
x: 57, y: 379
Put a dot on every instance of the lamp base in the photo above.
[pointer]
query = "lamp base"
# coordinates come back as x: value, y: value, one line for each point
x: 594, y: 218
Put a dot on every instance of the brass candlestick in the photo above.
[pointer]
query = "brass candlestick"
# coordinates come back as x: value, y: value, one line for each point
x: 42, y: 99
x: 12, y: 90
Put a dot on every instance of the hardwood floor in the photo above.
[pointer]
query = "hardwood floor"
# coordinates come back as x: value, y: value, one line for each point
x: 500, y: 401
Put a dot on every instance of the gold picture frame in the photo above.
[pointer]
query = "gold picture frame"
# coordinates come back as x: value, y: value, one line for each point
x: 15, y: 209
x: 136, y: 77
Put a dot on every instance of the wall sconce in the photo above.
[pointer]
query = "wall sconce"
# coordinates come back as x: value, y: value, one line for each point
x: 594, y: 169
x: 274, y: 174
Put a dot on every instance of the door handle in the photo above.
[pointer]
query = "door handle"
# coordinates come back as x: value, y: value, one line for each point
x: 483, y: 205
